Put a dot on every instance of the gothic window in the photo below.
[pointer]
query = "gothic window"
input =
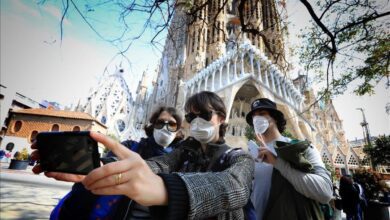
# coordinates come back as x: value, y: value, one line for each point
x: 55, y: 127
x: 103, y: 120
x: 353, y: 161
x: 121, y: 125
x: 199, y: 35
x: 33, y: 135
x: 192, y: 41
x: 326, y: 159
x: 339, y: 159
x: 17, y: 126
x: 212, y: 35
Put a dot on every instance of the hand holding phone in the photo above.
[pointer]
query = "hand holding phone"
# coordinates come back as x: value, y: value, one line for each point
x: 67, y: 152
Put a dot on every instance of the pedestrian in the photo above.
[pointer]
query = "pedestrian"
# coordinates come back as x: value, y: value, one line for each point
x: 362, y: 199
x: 161, y: 131
x: 185, y: 183
x: 350, y: 197
x: 336, y: 203
x: 290, y: 177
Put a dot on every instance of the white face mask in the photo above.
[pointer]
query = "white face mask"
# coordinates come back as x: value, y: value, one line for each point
x: 202, y: 130
x: 260, y: 124
x: 163, y: 137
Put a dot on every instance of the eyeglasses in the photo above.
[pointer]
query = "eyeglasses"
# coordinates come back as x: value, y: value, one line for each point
x: 205, y: 115
x: 171, y: 125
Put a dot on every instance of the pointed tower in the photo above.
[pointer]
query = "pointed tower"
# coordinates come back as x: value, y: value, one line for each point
x: 140, y: 104
x: 195, y: 41
x: 271, y: 25
x: 112, y: 104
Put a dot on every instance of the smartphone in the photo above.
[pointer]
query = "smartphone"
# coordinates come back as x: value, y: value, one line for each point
x: 68, y: 152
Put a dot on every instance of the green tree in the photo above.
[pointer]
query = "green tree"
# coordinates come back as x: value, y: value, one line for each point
x: 250, y: 133
x: 379, y: 153
x: 351, y: 36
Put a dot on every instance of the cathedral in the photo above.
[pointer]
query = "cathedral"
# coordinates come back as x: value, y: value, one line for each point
x: 207, y: 51
x: 112, y: 104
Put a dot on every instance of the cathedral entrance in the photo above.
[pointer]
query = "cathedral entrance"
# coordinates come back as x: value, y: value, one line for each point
x: 235, y: 134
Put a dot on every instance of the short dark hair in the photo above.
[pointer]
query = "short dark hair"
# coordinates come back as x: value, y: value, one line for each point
x: 172, y: 111
x: 280, y: 120
x: 203, y: 102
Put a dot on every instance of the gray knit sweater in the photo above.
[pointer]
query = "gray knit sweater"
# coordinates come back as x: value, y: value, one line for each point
x: 206, y: 194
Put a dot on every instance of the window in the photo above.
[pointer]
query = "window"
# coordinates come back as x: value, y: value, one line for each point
x: 17, y: 126
x: 352, y: 161
x: 33, y: 135
x: 76, y: 128
x: 103, y: 120
x: 55, y: 127
x: 121, y: 125
x: 339, y: 159
x: 325, y: 159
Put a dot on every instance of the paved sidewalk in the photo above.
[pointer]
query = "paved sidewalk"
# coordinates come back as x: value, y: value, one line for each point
x: 24, y: 195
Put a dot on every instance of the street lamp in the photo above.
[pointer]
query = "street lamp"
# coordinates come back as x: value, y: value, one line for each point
x: 364, y: 124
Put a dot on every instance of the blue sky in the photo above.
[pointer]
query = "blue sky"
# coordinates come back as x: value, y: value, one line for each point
x: 37, y: 64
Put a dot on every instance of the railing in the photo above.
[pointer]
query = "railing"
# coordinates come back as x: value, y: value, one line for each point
x: 240, y: 64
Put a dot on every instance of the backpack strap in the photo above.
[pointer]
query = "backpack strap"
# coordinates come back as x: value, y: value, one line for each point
x: 222, y: 162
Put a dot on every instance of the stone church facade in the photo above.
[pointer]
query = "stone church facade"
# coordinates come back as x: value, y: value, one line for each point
x: 210, y: 53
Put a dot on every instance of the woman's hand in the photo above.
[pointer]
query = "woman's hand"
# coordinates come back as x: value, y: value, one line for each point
x: 68, y: 177
x: 130, y: 176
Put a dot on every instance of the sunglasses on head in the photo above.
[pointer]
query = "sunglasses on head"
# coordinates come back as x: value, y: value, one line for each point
x: 171, y: 125
x: 205, y: 115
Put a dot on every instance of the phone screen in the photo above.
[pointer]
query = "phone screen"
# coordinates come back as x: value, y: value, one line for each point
x: 68, y: 152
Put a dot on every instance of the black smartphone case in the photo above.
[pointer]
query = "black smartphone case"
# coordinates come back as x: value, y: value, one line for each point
x: 68, y: 152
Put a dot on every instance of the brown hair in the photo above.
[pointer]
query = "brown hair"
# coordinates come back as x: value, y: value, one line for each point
x: 206, y: 101
x: 172, y: 111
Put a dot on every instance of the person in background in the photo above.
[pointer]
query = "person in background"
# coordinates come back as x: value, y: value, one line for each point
x: 163, y: 135
x: 350, y: 198
x: 290, y: 177
x: 203, y: 178
x: 336, y: 203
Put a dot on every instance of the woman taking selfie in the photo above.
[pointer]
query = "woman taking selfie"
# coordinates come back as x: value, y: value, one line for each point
x: 201, y: 179
x: 161, y: 132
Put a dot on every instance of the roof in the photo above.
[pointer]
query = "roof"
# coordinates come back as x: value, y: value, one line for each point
x: 359, y: 152
x: 57, y: 113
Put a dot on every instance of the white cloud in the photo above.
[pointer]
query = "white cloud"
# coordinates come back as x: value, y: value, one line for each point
x: 55, y: 12
x: 24, y: 9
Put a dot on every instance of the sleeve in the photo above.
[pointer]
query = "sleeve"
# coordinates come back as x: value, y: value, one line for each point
x: 316, y: 185
x: 206, y: 194
x: 177, y: 207
x: 213, y: 193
